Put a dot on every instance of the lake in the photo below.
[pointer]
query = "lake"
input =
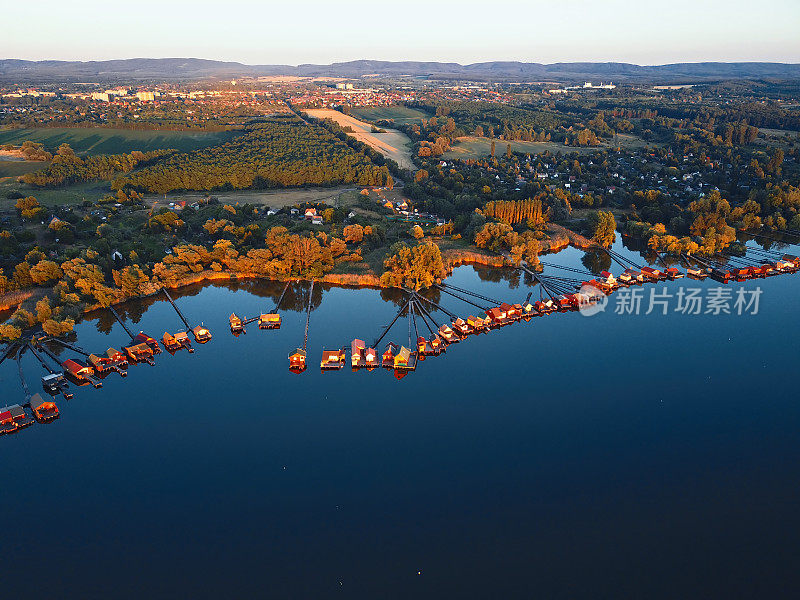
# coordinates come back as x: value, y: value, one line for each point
x: 618, y: 455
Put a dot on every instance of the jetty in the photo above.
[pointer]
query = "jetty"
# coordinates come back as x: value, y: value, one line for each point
x: 297, y: 359
x: 54, y: 382
x: 79, y: 371
x: 201, y: 333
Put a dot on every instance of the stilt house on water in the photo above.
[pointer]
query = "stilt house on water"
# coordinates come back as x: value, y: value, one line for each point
x: 357, y: 358
x: 201, y: 334
x: 447, y: 334
x: 101, y: 364
x: 405, y: 359
x: 78, y: 369
x: 333, y: 359
x: 269, y: 321
x: 297, y: 359
x: 140, y: 353
x: 117, y: 357
x: 44, y: 411
x: 183, y: 339
x: 13, y: 418
x: 170, y: 343
x: 237, y: 325
x: 461, y: 327
x: 7, y: 424
x: 387, y: 359
x: 371, y: 358
x: 423, y: 347
x: 143, y: 338
x: 54, y: 382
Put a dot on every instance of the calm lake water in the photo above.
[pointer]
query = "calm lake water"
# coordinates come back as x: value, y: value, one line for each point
x: 609, y: 456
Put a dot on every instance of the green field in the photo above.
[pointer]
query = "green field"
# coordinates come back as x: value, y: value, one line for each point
x: 74, y: 194
x: 14, y: 168
x: 401, y: 114
x: 472, y: 147
x: 99, y: 140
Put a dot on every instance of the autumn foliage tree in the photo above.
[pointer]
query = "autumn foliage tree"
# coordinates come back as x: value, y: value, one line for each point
x: 413, y: 267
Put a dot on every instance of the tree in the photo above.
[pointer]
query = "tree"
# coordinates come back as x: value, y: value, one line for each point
x: 43, y: 310
x: 353, y: 233
x: 45, y: 271
x: 492, y: 149
x: 415, y: 268
x: 29, y: 208
x: 603, y: 227
x: 417, y: 232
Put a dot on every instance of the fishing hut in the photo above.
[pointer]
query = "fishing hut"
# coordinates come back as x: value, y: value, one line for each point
x: 140, y: 353
x: 81, y: 372
x: 269, y: 321
x: 371, y: 358
x: 496, y: 317
x: 297, y: 359
x: 150, y: 342
x: 7, y: 424
x: 272, y: 320
x: 237, y: 324
x: 14, y: 418
x: 333, y: 359
x: 117, y: 357
x: 460, y: 327
x: 43, y: 410
x: 387, y: 358
x: 423, y: 347
x: 447, y: 334
x: 103, y: 365
x: 405, y: 359
x: 54, y: 382
x: 357, y: 354
x: 200, y: 332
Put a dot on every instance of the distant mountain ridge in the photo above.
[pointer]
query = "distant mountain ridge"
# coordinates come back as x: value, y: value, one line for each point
x: 184, y: 69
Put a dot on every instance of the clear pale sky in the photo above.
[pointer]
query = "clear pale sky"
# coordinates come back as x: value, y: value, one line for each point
x: 315, y: 31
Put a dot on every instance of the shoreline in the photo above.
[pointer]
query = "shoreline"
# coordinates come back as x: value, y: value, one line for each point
x: 452, y: 259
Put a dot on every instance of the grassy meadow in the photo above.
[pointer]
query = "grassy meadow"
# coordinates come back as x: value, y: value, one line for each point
x: 400, y: 114
x: 472, y: 147
x: 15, y: 168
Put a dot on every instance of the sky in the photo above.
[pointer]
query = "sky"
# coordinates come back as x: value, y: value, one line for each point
x: 467, y: 31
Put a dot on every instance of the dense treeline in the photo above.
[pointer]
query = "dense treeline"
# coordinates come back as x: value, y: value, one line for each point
x: 277, y: 152
x: 496, y: 120
x: 68, y: 168
x: 517, y: 211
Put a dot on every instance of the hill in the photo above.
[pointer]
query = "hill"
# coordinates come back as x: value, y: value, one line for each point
x: 185, y: 69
